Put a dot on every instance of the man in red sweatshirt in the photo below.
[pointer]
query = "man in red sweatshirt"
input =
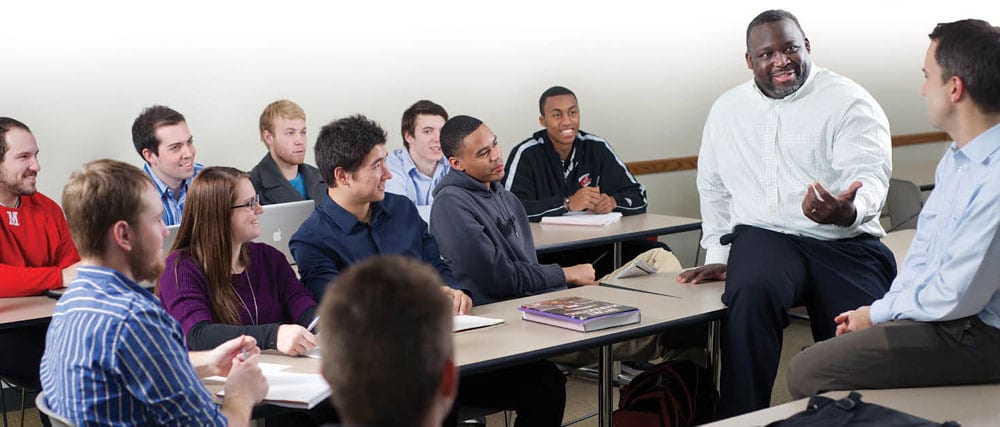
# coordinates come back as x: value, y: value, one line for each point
x: 35, y: 247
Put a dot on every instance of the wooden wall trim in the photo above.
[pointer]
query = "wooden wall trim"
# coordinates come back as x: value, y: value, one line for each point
x: 644, y: 167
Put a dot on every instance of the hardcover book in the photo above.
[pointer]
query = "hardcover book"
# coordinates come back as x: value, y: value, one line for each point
x: 580, y: 314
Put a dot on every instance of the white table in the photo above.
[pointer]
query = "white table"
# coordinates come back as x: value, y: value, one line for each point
x: 554, y: 238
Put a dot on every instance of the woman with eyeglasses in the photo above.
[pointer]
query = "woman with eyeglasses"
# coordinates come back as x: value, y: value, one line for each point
x: 219, y: 284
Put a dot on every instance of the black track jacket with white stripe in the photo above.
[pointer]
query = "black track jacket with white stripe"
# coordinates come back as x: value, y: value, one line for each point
x: 538, y: 177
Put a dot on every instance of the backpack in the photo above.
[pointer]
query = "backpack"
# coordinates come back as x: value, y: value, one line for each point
x: 851, y: 411
x: 670, y: 394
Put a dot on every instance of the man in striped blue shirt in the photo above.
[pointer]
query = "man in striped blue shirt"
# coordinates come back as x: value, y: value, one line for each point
x: 161, y: 136
x: 113, y: 356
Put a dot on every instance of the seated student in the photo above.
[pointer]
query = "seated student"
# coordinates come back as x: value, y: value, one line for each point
x: 482, y: 228
x: 563, y: 169
x: 359, y: 220
x: 282, y: 176
x: 35, y: 248
x: 108, y: 333
x: 163, y: 140
x: 419, y: 166
x: 399, y: 333
x: 939, y: 324
x: 219, y: 284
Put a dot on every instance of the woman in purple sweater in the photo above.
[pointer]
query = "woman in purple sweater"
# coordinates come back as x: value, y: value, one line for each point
x: 219, y: 285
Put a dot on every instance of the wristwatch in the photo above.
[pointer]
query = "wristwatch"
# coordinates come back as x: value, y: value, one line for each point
x: 566, y: 203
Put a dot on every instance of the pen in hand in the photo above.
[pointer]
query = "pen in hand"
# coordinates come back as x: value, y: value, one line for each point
x: 312, y: 325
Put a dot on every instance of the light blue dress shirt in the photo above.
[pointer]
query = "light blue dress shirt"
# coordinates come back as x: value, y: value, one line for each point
x: 408, y: 181
x: 173, y: 207
x: 952, y: 269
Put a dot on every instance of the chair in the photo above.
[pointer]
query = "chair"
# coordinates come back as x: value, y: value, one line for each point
x: 903, y: 203
x: 55, y: 419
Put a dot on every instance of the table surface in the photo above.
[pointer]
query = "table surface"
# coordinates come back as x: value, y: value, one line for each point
x: 553, y: 237
x: 517, y: 341
x: 24, y: 311
x: 707, y: 296
x: 972, y: 406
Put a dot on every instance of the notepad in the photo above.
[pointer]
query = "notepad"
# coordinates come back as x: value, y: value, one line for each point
x: 464, y: 322
x: 294, y: 390
x: 584, y: 219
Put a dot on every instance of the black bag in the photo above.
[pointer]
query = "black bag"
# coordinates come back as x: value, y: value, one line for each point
x: 670, y: 394
x: 851, y: 411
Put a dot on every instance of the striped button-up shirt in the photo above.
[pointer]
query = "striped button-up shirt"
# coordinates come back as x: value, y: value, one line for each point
x: 113, y: 356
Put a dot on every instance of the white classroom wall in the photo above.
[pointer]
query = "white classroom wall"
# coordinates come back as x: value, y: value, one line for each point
x: 645, y: 72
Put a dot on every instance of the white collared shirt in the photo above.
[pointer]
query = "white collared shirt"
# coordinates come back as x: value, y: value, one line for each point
x: 759, y: 155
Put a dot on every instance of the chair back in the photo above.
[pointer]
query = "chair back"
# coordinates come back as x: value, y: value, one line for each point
x: 903, y: 203
x: 54, y: 419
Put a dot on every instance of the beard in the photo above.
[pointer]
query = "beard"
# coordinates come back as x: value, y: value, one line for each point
x: 789, y: 88
x: 146, y: 264
x: 17, y: 186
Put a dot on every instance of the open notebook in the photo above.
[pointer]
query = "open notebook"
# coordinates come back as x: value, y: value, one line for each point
x: 290, y: 389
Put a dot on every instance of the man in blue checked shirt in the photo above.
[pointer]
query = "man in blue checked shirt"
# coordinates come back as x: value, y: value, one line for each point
x: 113, y: 356
x: 161, y: 136
x: 939, y: 324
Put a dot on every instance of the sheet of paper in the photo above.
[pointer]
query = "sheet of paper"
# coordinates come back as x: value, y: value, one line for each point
x: 265, y: 368
x: 586, y: 219
x: 464, y: 322
x: 294, y: 390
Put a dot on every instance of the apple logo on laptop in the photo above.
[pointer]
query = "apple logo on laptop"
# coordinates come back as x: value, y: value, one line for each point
x: 276, y: 236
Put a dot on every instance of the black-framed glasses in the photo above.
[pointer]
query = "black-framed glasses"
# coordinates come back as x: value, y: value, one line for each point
x: 253, y: 204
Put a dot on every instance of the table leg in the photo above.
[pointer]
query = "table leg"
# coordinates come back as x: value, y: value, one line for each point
x: 605, y: 390
x: 617, y: 254
x: 714, y: 344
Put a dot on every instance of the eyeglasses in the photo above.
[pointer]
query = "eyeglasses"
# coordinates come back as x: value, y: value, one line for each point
x: 253, y: 204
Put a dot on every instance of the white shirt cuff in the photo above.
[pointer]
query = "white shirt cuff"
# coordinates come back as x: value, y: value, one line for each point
x: 717, y: 255
x: 860, y: 208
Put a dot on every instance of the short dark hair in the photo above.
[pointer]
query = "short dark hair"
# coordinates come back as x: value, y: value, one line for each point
x: 344, y: 143
x: 970, y: 50
x: 6, y: 124
x: 386, y: 335
x: 423, y: 106
x: 550, y: 92
x: 769, y: 16
x: 454, y: 132
x: 144, y: 127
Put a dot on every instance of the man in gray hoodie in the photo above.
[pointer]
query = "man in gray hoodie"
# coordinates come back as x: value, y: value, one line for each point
x: 482, y: 229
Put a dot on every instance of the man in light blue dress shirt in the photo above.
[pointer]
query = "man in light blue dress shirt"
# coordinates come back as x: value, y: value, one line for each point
x: 939, y: 324
x: 417, y: 168
x: 163, y: 140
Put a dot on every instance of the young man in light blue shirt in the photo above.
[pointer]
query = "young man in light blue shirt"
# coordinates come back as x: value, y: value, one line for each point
x: 163, y: 140
x: 939, y: 324
x: 417, y: 168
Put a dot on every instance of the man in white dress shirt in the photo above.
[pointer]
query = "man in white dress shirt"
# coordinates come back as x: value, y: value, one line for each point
x: 792, y: 174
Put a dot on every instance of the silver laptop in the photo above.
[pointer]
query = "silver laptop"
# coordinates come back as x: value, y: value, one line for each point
x: 279, y: 222
x: 168, y: 241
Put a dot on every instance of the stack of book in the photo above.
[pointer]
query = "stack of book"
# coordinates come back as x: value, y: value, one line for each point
x: 580, y: 314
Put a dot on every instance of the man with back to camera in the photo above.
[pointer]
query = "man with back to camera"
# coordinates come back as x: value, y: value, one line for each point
x: 563, y: 169
x: 36, y: 249
x: 112, y: 354
x: 282, y: 176
x: 939, y: 324
x: 163, y: 140
x: 792, y: 175
x: 419, y: 166
x: 399, y: 333
x: 359, y: 220
x: 482, y: 228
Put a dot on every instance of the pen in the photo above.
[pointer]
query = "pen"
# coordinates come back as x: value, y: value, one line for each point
x: 816, y: 192
x: 312, y: 325
x: 600, y: 257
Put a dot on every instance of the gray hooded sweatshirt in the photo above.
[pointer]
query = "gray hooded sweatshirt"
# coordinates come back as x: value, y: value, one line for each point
x: 484, y: 237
